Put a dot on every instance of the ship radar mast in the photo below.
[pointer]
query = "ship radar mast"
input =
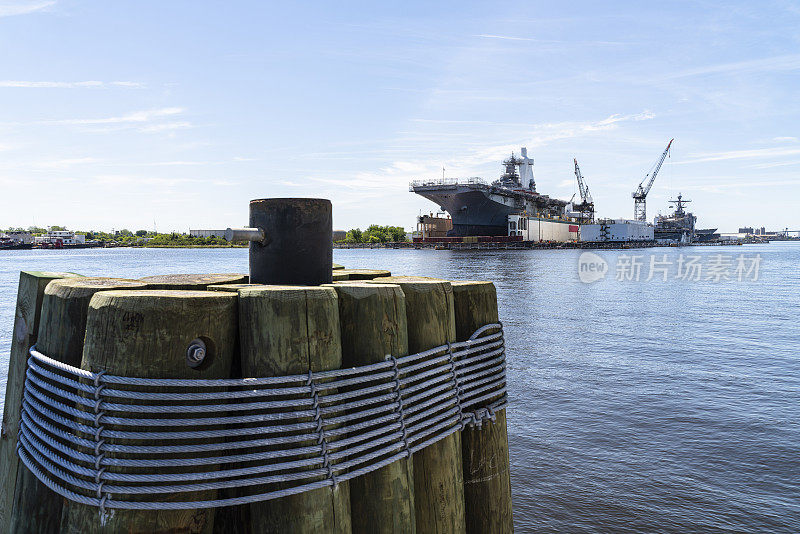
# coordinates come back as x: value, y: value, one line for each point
x: 526, y: 171
x: 522, y: 179
x: 679, y: 212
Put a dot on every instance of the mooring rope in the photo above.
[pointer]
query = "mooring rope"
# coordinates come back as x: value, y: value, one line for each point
x: 120, y: 442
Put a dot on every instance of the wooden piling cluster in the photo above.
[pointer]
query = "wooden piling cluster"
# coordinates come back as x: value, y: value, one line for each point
x: 141, y: 328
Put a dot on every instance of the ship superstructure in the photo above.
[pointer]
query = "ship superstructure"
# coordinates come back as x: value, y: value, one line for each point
x: 480, y: 208
x: 677, y: 227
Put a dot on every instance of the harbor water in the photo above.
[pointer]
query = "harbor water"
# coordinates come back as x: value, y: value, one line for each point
x: 644, y: 405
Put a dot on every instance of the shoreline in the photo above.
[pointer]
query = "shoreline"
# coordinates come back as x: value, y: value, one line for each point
x: 528, y: 245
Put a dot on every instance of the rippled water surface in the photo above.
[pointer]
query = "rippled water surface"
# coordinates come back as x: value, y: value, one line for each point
x: 645, y: 406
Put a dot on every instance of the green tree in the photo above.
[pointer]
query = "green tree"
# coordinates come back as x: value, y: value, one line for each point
x: 354, y: 236
x: 141, y: 233
x: 398, y: 233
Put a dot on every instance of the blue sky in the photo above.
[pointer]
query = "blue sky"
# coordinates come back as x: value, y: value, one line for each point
x: 129, y: 114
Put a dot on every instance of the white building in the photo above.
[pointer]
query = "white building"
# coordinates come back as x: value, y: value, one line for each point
x: 22, y: 237
x: 617, y: 230
x: 737, y: 236
x: 65, y: 237
x: 542, y: 229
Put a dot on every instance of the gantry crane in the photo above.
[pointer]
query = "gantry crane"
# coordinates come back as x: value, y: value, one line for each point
x: 640, y: 195
x: 586, y: 207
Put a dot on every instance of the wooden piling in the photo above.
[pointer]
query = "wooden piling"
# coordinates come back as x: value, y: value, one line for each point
x: 30, y: 294
x: 373, y: 324
x: 438, y: 479
x: 290, y: 330
x: 396, y: 279
x: 487, y: 480
x: 60, y: 336
x: 363, y: 274
x: 192, y: 281
x: 146, y: 334
x: 230, y: 287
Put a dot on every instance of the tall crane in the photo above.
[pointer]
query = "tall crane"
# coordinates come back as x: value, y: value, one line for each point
x: 586, y: 207
x: 640, y: 195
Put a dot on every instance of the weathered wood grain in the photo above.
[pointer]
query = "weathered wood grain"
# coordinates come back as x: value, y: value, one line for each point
x: 487, y: 475
x: 146, y: 334
x: 192, y: 281
x: 363, y: 274
x: 231, y: 287
x: 291, y: 330
x: 373, y: 324
x: 62, y: 325
x: 30, y: 294
x: 438, y: 479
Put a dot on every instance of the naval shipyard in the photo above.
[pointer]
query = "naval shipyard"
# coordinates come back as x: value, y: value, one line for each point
x: 510, y: 209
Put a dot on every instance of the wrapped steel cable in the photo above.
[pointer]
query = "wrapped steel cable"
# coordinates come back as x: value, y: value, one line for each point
x: 123, y: 442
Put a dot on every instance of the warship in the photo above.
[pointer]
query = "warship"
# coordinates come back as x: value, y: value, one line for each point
x: 478, y: 208
x: 679, y: 226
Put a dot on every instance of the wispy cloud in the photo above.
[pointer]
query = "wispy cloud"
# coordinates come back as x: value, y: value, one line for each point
x: 786, y: 139
x: 65, y: 163
x: 546, y: 41
x: 167, y: 126
x: 505, y: 37
x: 738, y: 185
x: 128, y: 84
x: 152, y: 120
x: 470, y: 160
x: 776, y: 63
x: 741, y: 154
x: 179, y: 163
x: 775, y: 164
x: 9, y: 9
x: 87, y: 84
x: 543, y: 134
x: 134, y: 117
x: 49, y: 85
x: 125, y: 179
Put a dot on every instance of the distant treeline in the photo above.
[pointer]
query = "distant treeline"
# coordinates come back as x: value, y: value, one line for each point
x: 146, y: 238
x: 376, y: 234
x: 139, y: 238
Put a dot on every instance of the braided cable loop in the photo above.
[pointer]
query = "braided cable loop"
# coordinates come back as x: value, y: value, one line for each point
x: 99, y: 441
x: 399, y: 403
x: 169, y: 440
x: 457, y: 386
x: 320, y: 429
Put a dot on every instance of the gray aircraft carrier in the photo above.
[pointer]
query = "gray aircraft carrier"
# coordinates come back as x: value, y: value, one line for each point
x: 480, y: 208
